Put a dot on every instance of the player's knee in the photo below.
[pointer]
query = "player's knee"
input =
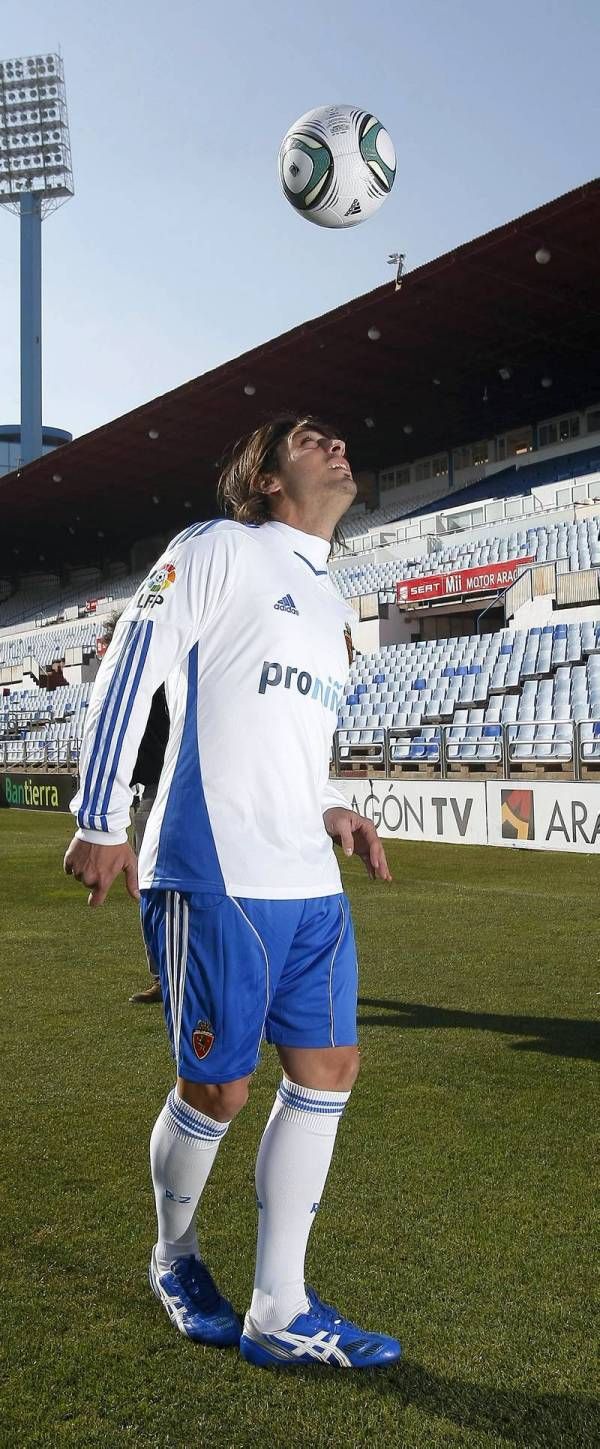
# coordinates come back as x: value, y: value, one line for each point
x: 338, y: 1069
x: 346, y: 1068
x: 220, y: 1100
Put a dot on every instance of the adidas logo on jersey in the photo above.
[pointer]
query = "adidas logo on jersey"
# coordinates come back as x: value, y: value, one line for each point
x: 286, y: 605
x: 354, y: 208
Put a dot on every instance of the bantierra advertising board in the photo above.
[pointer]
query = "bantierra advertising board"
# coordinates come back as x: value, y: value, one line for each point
x: 36, y: 792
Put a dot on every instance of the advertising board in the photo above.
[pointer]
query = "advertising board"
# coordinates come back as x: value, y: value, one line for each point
x: 22, y: 791
x: 443, y: 810
x: 480, y: 580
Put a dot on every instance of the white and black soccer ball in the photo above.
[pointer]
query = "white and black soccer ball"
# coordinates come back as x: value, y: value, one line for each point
x: 337, y: 164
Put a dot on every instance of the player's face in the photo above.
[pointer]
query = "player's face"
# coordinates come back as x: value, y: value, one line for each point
x: 311, y: 465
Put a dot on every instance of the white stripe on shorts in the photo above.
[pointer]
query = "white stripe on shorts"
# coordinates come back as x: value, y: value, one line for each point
x: 337, y: 944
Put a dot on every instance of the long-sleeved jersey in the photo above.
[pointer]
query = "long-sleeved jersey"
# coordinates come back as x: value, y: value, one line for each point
x: 245, y: 628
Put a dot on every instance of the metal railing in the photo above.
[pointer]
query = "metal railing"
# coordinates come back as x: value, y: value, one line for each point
x: 412, y: 526
x: 578, y: 586
x: 569, y: 746
x: 39, y: 755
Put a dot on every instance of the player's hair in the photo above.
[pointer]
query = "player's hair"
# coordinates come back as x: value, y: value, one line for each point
x: 109, y: 624
x: 251, y: 458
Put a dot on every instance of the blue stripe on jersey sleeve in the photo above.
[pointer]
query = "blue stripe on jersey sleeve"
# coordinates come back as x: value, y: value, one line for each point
x: 145, y: 645
x: 84, y: 814
x: 118, y: 692
x: 186, y: 845
x: 195, y: 530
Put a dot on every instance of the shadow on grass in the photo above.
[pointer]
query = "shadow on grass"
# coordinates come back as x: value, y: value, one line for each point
x: 539, y: 1421
x: 558, y: 1037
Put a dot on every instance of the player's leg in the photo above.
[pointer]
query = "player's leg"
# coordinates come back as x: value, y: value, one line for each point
x: 184, y: 1144
x: 215, y: 1025
x: 291, y: 1171
x: 313, y: 1022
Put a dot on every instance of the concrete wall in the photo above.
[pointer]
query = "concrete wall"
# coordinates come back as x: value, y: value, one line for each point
x: 81, y: 673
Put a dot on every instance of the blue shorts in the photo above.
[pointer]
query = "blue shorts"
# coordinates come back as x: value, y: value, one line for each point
x: 235, y: 970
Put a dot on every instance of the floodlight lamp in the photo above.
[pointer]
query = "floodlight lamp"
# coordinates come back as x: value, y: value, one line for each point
x: 543, y: 256
x: 57, y: 477
x: 153, y: 433
x: 48, y: 172
x: 373, y: 334
x: 249, y: 389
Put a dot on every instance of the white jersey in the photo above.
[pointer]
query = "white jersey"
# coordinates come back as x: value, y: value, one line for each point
x: 244, y: 625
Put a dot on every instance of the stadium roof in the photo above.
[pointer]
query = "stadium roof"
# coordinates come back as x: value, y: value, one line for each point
x: 434, y: 369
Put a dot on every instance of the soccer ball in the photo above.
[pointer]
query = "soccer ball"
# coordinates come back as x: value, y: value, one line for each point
x: 336, y: 165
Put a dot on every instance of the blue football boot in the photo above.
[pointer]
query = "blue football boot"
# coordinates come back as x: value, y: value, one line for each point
x: 193, y: 1302
x: 320, y: 1336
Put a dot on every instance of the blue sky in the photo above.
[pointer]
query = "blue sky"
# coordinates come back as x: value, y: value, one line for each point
x: 179, y: 251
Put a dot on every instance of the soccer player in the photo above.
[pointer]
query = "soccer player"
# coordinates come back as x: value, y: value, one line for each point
x: 241, y: 898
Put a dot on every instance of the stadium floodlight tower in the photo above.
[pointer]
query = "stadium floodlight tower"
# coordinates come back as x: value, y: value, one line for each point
x: 36, y: 177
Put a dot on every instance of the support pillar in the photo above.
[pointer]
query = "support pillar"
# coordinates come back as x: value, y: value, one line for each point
x: 31, y: 327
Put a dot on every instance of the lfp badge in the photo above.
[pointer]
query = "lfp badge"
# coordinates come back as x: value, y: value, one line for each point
x: 153, y: 590
x: 161, y: 579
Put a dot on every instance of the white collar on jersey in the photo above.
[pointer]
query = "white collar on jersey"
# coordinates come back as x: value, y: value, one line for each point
x: 308, y: 546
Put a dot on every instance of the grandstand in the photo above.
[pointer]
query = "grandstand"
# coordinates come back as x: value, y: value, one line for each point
x: 576, y: 546
x: 42, y: 730
x: 505, y: 702
x: 517, y: 701
x: 473, y: 472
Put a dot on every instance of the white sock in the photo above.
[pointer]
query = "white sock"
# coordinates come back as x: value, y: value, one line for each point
x: 291, y: 1171
x: 183, y: 1147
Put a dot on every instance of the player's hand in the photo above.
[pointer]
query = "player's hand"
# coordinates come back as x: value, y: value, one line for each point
x: 358, y: 836
x: 97, y: 866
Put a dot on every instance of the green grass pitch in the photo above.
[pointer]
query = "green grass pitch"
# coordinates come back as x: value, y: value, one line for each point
x: 459, y: 1208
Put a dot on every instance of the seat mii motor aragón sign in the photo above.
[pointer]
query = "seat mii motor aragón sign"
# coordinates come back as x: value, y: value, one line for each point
x: 462, y: 581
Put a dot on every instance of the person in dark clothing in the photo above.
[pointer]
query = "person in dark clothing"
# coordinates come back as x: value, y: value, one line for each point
x: 146, y: 772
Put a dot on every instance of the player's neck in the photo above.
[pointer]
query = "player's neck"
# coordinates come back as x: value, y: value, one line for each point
x: 307, y: 520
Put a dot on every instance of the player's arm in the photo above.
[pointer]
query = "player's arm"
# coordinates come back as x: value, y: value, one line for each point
x: 181, y: 596
x: 355, y: 834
